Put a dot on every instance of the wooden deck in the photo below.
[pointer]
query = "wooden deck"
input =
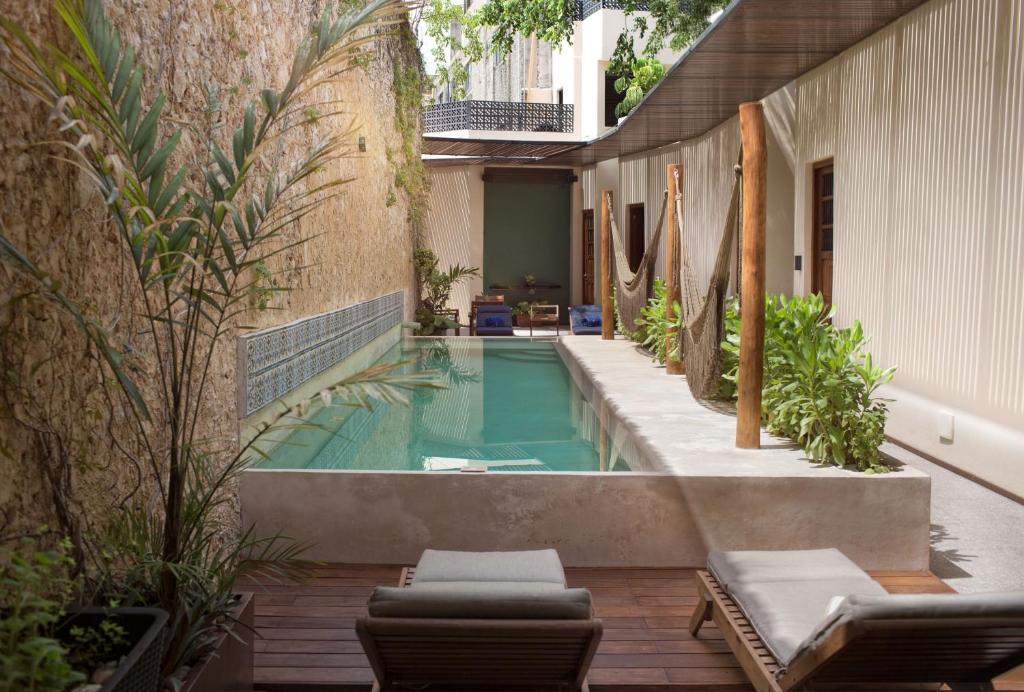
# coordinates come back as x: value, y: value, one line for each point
x: 307, y: 639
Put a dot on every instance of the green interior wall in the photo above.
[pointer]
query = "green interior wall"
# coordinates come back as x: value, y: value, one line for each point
x: 526, y: 231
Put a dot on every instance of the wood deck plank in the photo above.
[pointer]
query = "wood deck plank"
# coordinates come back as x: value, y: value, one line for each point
x: 307, y: 639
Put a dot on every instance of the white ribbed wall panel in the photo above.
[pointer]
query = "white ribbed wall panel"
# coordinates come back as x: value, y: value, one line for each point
x: 924, y: 120
x: 588, y: 182
x: 454, y: 227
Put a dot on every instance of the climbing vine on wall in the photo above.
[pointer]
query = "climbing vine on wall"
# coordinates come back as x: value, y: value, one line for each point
x: 408, y: 85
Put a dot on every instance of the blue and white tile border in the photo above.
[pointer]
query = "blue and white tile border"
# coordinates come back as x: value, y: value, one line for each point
x: 275, y: 361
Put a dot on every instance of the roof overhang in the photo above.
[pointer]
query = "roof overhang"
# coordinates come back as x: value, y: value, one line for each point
x: 754, y: 48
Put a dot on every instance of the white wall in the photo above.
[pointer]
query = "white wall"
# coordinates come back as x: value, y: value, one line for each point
x: 454, y: 227
x: 924, y: 120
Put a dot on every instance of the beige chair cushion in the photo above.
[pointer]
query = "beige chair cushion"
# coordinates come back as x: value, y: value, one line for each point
x: 786, y: 594
x: 527, y: 584
x: 481, y: 601
x: 860, y: 611
x: 517, y: 566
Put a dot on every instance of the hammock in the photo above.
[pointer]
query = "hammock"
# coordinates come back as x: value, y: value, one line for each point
x: 704, y: 316
x: 633, y: 289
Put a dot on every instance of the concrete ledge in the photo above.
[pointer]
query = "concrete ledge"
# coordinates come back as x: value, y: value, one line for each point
x: 703, y: 494
x: 612, y: 519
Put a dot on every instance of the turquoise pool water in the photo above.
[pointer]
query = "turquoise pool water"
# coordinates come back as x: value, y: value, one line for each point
x: 509, y: 405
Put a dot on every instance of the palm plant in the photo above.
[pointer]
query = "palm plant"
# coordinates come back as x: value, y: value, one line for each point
x: 196, y: 241
x: 436, y: 290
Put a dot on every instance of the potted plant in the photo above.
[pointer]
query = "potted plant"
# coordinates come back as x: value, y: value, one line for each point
x: 192, y: 241
x: 45, y: 645
x: 521, y: 313
x: 433, y: 313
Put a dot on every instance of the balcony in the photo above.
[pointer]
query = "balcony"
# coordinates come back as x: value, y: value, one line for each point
x: 585, y: 8
x: 516, y: 116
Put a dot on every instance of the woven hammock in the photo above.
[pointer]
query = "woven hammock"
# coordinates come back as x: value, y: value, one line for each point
x: 633, y: 289
x: 704, y: 315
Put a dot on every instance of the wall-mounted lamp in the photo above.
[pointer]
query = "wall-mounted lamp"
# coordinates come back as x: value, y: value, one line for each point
x: 362, y: 143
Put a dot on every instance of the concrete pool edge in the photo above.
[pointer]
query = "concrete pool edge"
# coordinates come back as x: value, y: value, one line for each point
x: 669, y: 519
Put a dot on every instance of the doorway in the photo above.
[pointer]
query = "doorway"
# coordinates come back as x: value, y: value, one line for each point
x: 588, y: 256
x: 637, y: 242
x: 823, y: 230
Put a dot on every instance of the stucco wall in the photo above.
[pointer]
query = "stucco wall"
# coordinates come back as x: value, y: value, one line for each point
x: 359, y: 244
x: 924, y: 121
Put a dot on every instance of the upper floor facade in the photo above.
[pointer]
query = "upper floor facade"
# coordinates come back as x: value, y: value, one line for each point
x: 538, y: 91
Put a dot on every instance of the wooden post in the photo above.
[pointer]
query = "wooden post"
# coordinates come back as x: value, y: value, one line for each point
x: 673, y: 366
x: 607, y: 312
x: 755, y: 186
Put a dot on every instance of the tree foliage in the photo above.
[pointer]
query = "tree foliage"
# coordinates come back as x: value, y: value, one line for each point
x: 459, y: 41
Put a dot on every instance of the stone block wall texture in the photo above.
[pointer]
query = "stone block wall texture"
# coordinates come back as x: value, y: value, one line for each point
x: 54, y: 402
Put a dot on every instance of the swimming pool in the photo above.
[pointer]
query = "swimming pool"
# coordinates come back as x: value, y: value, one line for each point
x: 508, y: 405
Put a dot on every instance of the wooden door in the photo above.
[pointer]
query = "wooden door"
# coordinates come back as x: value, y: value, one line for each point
x: 637, y: 242
x: 823, y: 229
x: 588, y: 256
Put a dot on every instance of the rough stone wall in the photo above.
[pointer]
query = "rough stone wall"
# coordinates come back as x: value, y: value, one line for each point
x: 360, y: 244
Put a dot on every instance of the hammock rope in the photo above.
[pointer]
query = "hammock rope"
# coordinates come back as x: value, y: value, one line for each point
x: 633, y: 289
x: 704, y: 316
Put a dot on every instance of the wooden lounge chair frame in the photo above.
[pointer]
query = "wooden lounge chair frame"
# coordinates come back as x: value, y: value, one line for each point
x: 478, y: 654
x: 876, y: 653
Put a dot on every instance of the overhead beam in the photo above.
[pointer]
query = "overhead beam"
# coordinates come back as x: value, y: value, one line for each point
x: 755, y: 189
x: 607, y: 311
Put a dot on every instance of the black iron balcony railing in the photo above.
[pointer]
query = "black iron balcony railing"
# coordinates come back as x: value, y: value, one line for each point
x: 518, y: 116
x: 585, y: 8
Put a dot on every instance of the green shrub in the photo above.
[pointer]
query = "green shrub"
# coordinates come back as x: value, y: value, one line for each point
x: 819, y: 383
x: 33, y: 590
x: 633, y: 332
x: 652, y: 326
x: 436, y: 290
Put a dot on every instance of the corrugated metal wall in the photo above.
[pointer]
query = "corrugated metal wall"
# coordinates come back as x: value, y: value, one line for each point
x: 924, y: 120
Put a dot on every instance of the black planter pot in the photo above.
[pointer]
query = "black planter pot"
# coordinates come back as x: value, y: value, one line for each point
x: 145, y: 627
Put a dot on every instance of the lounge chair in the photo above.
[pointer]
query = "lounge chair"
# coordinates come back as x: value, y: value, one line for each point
x: 808, y: 619
x: 585, y: 319
x: 481, y: 621
x: 493, y: 320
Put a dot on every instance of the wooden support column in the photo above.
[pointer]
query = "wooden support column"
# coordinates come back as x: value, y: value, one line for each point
x: 673, y: 366
x: 755, y: 187
x: 607, y: 311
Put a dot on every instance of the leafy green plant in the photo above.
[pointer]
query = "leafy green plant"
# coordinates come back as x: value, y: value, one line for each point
x: 634, y: 333
x: 641, y: 76
x: 436, y: 290
x: 265, y: 286
x: 34, y: 588
x: 92, y: 646
x: 193, y: 240
x: 819, y: 383
x: 652, y: 325
x: 457, y: 36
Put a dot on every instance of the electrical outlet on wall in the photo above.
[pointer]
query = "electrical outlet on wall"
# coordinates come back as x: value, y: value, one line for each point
x: 944, y: 426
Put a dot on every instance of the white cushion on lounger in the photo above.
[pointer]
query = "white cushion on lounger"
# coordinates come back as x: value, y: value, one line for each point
x: 927, y: 609
x: 786, y: 593
x: 482, y: 601
x: 516, y: 566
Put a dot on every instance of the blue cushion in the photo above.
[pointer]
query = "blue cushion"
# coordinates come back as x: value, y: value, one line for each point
x: 494, y: 308
x: 591, y: 321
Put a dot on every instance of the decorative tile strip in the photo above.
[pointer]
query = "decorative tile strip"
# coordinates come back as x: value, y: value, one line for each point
x: 517, y: 116
x: 277, y: 360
